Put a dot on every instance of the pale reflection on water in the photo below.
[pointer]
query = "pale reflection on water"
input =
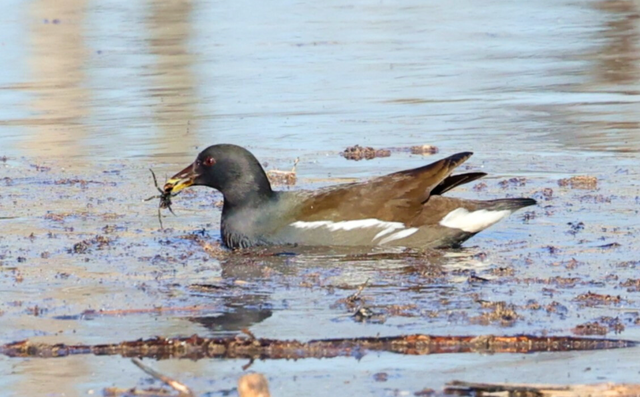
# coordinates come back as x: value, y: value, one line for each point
x: 116, y: 80
x: 86, y: 83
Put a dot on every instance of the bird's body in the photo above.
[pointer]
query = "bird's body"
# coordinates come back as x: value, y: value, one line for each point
x: 405, y: 208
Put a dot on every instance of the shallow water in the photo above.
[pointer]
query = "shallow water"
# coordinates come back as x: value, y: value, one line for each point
x: 92, y: 94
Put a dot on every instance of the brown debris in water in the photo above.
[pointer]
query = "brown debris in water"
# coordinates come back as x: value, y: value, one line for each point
x: 501, y: 313
x: 593, y: 328
x: 286, y: 178
x: 460, y: 388
x: 62, y: 216
x: 546, y: 193
x: 83, y: 247
x: 212, y: 248
x: 358, y: 152
x: 56, y: 217
x: 424, y: 149
x: 593, y: 299
x: 196, y: 347
x: 479, y: 187
x: 513, y: 182
x: 595, y: 199
x: 407, y: 310
x: 631, y: 284
x: 606, y: 323
x: 579, y: 182
x: 564, y: 282
x: 507, y: 271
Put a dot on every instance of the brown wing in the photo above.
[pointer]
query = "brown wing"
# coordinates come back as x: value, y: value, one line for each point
x: 397, y: 197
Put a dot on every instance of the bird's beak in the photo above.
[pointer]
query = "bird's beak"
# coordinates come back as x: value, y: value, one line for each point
x: 181, y: 180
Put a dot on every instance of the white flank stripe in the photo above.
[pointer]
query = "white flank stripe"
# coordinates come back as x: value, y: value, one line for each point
x: 398, y: 235
x: 392, y: 230
x: 472, y: 222
x: 350, y: 225
x: 396, y: 226
x: 310, y: 225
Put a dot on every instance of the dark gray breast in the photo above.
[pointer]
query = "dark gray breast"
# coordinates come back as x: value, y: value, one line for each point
x: 261, y: 225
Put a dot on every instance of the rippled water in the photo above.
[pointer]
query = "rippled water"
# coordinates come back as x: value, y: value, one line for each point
x: 101, y: 91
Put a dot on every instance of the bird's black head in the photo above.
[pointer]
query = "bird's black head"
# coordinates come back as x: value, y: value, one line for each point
x: 231, y: 169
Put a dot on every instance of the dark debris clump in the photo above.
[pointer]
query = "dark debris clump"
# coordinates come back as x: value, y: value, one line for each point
x: 579, y: 182
x: 83, y: 247
x: 358, y: 152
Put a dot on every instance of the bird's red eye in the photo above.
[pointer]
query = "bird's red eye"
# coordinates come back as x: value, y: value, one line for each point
x: 209, y: 161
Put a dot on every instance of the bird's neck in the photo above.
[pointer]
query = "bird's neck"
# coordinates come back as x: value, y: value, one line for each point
x: 248, y: 192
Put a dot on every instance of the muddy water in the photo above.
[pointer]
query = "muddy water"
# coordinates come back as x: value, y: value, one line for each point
x: 95, y: 93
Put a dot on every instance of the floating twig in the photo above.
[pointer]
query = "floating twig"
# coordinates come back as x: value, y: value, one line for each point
x: 179, y: 387
x: 356, y: 296
x: 196, y: 347
x: 351, y: 301
x: 460, y: 388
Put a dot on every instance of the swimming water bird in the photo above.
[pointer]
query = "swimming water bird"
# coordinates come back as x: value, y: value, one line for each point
x: 406, y: 208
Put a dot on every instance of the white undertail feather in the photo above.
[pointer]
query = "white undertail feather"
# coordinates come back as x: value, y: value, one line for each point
x: 473, y: 222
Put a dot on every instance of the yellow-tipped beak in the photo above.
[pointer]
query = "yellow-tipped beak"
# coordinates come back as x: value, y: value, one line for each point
x: 181, y: 180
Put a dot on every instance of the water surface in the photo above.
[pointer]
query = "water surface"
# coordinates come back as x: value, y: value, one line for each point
x: 92, y: 94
